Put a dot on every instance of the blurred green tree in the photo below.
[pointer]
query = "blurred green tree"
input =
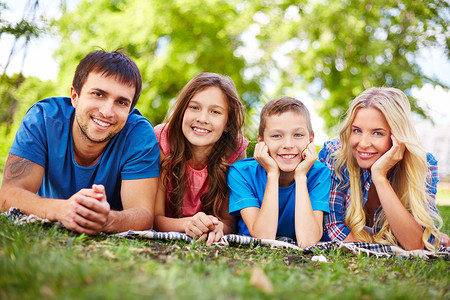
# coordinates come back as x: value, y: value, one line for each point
x: 335, y: 49
x: 170, y: 41
x: 332, y: 49
x: 23, y: 31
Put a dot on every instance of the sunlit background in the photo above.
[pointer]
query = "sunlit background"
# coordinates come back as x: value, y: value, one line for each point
x: 43, y: 56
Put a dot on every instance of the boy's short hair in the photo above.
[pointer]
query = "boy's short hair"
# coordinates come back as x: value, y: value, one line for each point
x: 115, y: 64
x: 281, y: 105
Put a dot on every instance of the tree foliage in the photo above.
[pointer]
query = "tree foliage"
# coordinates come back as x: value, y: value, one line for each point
x: 26, y: 30
x: 335, y: 49
x: 171, y: 42
x: 332, y: 49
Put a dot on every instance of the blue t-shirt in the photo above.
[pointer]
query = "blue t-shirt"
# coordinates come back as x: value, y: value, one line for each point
x: 247, y: 180
x: 45, y: 137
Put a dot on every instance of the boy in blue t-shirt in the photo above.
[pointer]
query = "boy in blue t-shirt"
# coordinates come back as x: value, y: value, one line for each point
x: 283, y: 190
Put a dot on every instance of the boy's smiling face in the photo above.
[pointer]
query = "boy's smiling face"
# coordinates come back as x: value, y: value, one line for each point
x: 286, y: 135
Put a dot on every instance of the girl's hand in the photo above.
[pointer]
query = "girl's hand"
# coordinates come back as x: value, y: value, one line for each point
x: 216, y: 234
x: 200, y: 224
x: 389, y: 159
x: 309, y: 157
x: 261, y: 155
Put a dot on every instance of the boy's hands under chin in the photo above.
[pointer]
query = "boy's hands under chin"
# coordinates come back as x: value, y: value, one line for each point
x: 309, y: 157
x: 261, y: 155
x: 382, y: 166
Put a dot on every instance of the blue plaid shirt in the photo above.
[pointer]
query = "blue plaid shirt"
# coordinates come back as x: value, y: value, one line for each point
x: 340, y: 194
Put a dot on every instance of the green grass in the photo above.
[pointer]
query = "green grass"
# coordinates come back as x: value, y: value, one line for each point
x: 39, y: 261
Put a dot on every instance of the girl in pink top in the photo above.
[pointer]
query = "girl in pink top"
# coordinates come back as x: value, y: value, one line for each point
x: 198, y: 142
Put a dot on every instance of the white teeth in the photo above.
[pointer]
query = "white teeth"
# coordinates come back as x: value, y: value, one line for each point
x: 288, y: 156
x: 200, y: 130
x: 365, y: 154
x: 101, y: 123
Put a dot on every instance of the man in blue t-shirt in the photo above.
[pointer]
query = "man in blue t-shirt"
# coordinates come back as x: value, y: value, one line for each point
x: 283, y: 190
x: 90, y: 161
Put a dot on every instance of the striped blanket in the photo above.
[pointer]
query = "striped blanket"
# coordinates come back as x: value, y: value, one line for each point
x: 378, y: 250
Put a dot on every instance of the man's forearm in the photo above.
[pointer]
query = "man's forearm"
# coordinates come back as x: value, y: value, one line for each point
x: 136, y: 218
x: 29, y: 203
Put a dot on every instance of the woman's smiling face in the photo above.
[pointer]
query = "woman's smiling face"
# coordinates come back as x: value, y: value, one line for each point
x: 370, y: 136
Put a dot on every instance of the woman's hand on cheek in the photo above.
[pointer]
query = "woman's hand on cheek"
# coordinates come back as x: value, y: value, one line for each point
x: 309, y: 157
x: 445, y: 240
x: 261, y: 155
x: 389, y: 159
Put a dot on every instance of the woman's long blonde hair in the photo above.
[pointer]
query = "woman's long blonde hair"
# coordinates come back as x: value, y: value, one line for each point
x: 408, y: 176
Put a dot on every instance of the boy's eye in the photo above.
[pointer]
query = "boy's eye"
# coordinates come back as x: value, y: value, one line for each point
x: 97, y: 94
x: 298, y: 135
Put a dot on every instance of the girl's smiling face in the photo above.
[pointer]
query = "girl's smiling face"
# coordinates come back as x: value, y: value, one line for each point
x: 205, y: 118
x: 370, y: 136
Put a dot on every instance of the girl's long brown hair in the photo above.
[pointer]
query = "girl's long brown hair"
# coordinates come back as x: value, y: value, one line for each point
x: 181, y: 149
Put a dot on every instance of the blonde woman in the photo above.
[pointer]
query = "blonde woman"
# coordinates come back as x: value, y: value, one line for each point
x: 383, y: 184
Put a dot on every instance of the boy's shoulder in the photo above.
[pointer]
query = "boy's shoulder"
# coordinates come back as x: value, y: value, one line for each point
x: 318, y: 171
x: 246, y: 163
x: 319, y: 166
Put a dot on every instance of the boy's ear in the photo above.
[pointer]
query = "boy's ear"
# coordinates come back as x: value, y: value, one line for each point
x: 260, y: 139
x: 311, y: 137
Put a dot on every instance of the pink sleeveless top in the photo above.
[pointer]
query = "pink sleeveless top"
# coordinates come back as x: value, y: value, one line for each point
x: 197, y: 181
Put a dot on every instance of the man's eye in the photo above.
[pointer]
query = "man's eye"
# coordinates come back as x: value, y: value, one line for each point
x: 124, y: 103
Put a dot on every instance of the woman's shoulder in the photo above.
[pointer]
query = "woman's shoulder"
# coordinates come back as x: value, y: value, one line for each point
x: 431, y: 160
x: 332, y: 145
x: 329, y: 148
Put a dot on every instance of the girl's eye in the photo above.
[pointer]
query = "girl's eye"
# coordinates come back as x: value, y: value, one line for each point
x: 216, y: 112
x: 378, y: 133
x: 355, y: 130
x: 195, y: 107
x: 276, y: 136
